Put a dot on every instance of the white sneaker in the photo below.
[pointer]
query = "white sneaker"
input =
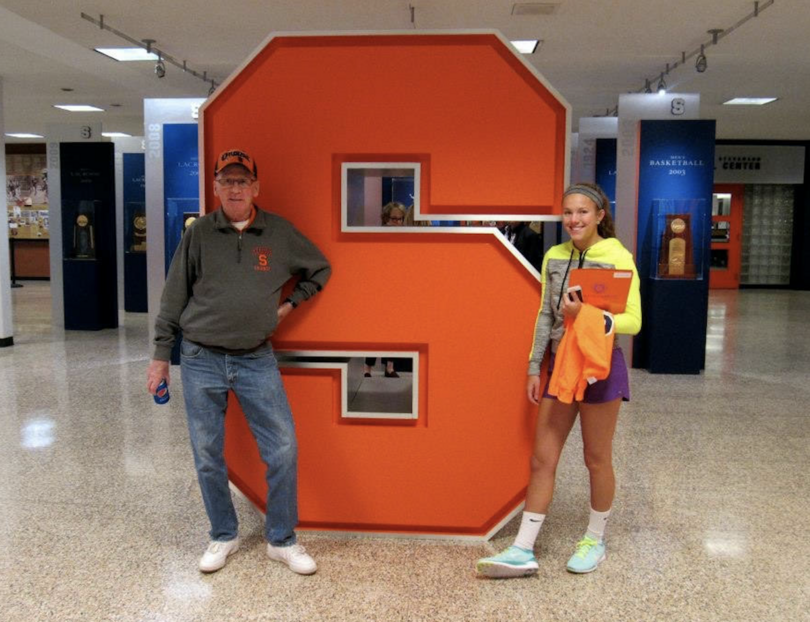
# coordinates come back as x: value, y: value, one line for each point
x: 295, y: 556
x: 216, y: 555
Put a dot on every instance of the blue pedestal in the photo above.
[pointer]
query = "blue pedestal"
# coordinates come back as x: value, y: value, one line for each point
x: 675, y: 315
x: 135, y: 298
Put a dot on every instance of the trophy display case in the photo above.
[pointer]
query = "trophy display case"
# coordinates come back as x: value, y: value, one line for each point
x: 677, y: 238
x: 89, y: 273
x: 674, y: 287
x: 177, y: 218
x: 135, y: 244
x: 135, y: 227
x: 79, y: 229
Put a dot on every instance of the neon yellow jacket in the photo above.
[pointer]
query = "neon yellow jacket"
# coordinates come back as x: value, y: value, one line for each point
x: 557, y: 263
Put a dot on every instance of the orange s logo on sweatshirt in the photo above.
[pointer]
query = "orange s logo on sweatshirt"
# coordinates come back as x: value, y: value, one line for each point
x: 262, y: 255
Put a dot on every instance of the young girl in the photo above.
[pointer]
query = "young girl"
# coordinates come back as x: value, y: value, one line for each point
x: 587, y: 219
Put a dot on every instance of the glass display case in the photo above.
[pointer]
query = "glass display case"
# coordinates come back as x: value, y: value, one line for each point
x: 135, y: 227
x: 678, y: 239
x: 80, y: 229
x: 178, y: 211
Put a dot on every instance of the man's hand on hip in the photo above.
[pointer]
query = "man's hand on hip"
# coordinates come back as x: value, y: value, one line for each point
x: 284, y: 310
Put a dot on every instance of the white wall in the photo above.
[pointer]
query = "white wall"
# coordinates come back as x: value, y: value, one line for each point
x: 6, y: 311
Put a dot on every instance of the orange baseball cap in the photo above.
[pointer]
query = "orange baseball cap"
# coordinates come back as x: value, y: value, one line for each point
x: 235, y: 156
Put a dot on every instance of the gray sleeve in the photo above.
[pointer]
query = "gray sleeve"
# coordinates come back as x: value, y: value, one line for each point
x: 542, y: 332
x: 309, y: 263
x: 175, y: 297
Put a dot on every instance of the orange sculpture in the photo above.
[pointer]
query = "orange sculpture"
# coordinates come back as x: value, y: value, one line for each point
x: 490, y: 138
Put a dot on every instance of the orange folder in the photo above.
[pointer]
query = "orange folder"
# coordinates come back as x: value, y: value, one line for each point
x: 602, y: 287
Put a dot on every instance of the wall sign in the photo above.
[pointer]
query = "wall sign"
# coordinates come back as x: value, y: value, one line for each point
x: 759, y: 164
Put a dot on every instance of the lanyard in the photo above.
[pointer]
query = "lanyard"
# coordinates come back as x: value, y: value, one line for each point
x: 567, y: 268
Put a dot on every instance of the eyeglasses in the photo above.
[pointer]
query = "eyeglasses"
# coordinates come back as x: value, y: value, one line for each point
x: 238, y: 182
x: 396, y: 219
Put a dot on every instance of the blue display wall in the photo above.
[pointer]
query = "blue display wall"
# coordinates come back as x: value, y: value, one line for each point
x: 605, y: 169
x: 181, y: 190
x: 181, y: 179
x: 135, y: 233
x: 676, y: 175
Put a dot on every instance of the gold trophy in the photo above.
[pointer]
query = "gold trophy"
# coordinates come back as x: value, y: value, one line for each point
x: 139, y: 233
x: 675, y: 258
x: 84, y: 245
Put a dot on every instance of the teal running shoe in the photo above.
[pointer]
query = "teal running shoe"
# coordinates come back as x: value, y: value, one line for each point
x: 513, y: 562
x: 589, y: 554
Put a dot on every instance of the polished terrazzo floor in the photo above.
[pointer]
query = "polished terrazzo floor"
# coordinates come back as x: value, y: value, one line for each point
x: 101, y: 518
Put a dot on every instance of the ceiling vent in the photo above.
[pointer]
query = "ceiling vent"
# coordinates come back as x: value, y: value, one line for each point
x: 535, y: 8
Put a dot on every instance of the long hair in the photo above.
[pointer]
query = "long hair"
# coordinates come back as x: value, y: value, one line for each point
x: 606, y: 228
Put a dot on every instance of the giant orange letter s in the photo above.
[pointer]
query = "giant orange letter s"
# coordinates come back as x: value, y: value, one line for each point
x: 489, y: 136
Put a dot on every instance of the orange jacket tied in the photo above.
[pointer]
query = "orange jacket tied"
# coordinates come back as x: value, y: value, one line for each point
x: 584, y: 354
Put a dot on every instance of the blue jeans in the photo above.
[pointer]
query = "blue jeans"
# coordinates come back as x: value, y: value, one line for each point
x: 256, y: 381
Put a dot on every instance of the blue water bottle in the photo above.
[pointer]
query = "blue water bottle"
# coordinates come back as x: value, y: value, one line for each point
x: 162, y: 394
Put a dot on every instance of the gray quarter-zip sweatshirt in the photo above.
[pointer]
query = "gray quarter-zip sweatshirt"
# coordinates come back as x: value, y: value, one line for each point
x: 224, y: 286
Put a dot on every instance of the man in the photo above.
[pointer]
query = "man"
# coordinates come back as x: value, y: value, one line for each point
x: 223, y: 291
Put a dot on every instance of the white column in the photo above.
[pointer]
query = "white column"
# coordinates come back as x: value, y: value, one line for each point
x: 591, y: 128
x: 6, y: 311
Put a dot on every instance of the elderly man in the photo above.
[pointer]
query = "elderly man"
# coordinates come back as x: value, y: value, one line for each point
x: 223, y: 292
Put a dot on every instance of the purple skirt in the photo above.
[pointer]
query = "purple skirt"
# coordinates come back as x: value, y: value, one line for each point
x: 617, y: 384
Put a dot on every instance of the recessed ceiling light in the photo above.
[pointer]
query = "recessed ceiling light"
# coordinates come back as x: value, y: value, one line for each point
x: 116, y: 135
x: 23, y: 135
x: 750, y: 101
x: 527, y: 46
x: 127, y: 54
x: 78, y: 108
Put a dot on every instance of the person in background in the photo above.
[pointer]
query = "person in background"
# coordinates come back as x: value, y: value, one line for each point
x: 587, y: 220
x: 393, y: 214
x: 223, y: 292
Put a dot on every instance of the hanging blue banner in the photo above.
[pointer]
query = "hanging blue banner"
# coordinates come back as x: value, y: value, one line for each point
x: 135, y: 233
x: 181, y: 179
x: 605, y: 169
x: 134, y: 178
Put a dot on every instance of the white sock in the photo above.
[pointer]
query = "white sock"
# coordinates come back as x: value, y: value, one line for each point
x: 529, y: 528
x: 597, y: 524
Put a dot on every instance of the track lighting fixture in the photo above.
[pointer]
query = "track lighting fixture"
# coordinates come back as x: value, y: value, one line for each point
x: 148, y: 45
x: 701, y: 63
